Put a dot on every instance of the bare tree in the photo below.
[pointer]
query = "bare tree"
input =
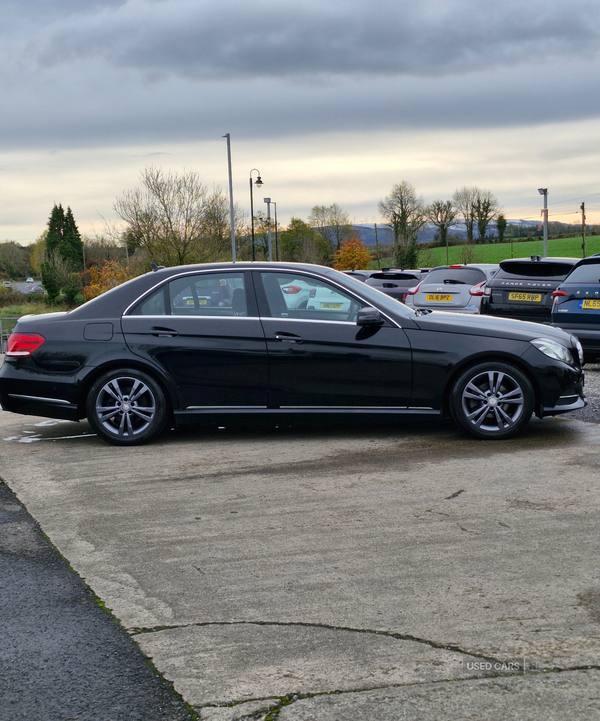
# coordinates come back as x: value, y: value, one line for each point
x: 332, y: 223
x: 169, y: 215
x: 405, y: 215
x: 217, y: 220
x: 464, y: 201
x: 485, y: 209
x: 442, y: 214
x: 477, y: 207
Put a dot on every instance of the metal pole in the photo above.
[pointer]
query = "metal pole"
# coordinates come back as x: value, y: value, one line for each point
x: 545, y: 222
x: 276, y: 244
x: 252, y: 217
x: 231, y: 213
x: 268, y: 202
x: 258, y: 182
x: 583, y: 227
x: 377, y: 248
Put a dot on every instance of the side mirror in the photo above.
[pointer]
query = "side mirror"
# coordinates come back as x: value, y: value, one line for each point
x: 369, y: 317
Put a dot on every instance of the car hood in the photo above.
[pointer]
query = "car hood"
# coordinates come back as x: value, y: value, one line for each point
x: 443, y: 321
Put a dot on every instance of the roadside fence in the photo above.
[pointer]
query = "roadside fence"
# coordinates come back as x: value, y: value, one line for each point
x: 6, y: 327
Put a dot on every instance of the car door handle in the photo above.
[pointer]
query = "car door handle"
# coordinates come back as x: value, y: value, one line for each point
x: 288, y: 338
x: 163, y: 332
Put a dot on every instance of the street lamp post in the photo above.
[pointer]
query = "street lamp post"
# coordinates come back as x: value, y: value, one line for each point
x: 258, y: 182
x: 268, y: 202
x: 544, y: 192
x: 276, y: 244
x: 231, y: 211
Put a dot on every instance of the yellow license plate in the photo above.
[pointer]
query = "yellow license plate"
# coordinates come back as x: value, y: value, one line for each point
x: 435, y: 296
x: 201, y: 301
x: 335, y: 306
x: 590, y: 303
x: 531, y: 297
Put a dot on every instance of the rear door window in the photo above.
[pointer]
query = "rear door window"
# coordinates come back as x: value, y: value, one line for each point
x: 588, y: 273
x: 206, y: 294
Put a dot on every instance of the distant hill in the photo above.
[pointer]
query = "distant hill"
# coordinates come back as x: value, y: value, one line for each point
x: 366, y: 231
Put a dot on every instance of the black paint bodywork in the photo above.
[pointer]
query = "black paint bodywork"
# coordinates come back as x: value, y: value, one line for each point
x: 214, y: 367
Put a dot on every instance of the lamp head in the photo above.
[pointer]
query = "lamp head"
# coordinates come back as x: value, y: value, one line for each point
x: 258, y: 182
x: 542, y: 191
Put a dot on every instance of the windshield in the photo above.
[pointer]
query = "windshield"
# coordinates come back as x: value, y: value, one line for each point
x: 375, y: 296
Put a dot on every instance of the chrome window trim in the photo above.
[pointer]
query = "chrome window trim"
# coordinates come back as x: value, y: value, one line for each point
x: 195, y: 317
x: 182, y: 275
x: 325, y: 280
x: 279, y: 318
x: 260, y: 268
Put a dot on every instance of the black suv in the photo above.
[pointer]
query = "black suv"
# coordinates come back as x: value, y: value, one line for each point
x: 396, y: 282
x: 522, y: 288
x: 576, y: 306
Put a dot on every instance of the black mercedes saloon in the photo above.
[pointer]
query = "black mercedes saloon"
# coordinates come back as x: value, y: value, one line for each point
x: 208, y: 342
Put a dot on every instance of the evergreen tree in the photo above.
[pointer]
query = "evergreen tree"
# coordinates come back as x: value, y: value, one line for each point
x: 56, y: 225
x: 71, y: 247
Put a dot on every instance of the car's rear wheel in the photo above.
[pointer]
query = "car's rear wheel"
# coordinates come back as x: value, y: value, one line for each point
x: 127, y: 407
x: 492, y: 400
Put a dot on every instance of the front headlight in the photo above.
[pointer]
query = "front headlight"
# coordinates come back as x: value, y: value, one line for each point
x: 553, y: 349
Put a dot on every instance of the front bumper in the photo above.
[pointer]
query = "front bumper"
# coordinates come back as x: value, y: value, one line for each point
x: 573, y: 399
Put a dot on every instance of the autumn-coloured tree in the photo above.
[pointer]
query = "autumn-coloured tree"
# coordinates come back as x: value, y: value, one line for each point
x: 353, y: 255
x: 105, y: 277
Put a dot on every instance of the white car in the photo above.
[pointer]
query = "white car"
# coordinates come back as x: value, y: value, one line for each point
x: 29, y: 280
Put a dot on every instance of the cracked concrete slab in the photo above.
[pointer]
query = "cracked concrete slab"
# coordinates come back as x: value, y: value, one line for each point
x: 486, y: 547
x: 551, y: 697
x: 234, y: 662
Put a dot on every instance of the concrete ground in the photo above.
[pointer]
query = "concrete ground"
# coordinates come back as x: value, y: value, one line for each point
x: 336, y: 573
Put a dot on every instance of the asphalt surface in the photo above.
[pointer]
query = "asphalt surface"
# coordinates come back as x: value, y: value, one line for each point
x: 61, y: 656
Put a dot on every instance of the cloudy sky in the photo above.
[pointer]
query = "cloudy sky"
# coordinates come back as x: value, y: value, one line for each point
x: 332, y: 100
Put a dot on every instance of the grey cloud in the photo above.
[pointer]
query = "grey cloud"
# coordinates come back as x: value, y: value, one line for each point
x: 268, y: 38
x: 92, y: 108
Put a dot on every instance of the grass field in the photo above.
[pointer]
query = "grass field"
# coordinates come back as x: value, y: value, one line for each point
x: 16, y: 311
x: 495, y: 252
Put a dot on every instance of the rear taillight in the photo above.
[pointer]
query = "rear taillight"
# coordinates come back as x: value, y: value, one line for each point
x: 477, y: 289
x: 412, y: 291
x: 312, y: 293
x: 291, y: 289
x: 487, y: 290
x: 23, y: 344
x: 558, y: 294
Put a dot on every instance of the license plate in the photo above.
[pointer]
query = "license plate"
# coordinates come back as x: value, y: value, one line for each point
x: 590, y: 303
x: 334, y: 306
x: 435, y: 296
x: 531, y: 297
x: 201, y: 301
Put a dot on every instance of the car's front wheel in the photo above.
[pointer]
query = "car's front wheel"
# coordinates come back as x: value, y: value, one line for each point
x: 492, y: 400
x: 126, y: 407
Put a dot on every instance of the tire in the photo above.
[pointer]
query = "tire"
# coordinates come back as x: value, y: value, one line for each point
x: 127, y: 407
x: 492, y: 400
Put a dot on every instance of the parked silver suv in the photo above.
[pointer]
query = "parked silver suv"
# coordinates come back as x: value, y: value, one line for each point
x: 447, y: 287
